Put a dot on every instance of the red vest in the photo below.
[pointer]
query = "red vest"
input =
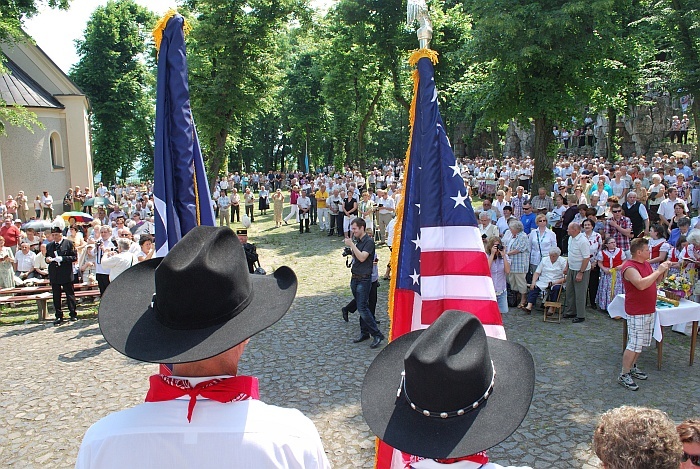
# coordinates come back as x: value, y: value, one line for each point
x: 673, y: 255
x: 612, y: 260
x: 638, y: 302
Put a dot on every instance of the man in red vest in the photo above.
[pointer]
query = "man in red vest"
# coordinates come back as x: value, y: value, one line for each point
x: 640, y: 304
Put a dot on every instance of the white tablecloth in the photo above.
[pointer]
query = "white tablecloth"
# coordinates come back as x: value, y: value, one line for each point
x: 687, y: 311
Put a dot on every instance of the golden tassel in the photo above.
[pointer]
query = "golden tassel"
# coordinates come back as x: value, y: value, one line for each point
x: 162, y: 23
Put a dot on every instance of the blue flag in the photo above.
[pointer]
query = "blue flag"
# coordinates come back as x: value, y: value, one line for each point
x: 181, y: 191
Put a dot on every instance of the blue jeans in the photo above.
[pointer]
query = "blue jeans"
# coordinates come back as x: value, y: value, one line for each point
x: 502, y: 300
x: 360, y: 288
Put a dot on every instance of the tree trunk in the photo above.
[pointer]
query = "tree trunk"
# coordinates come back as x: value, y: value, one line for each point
x: 612, y: 133
x: 361, y: 144
x: 696, y: 118
x: 495, y: 140
x: 543, y: 175
x: 217, y: 156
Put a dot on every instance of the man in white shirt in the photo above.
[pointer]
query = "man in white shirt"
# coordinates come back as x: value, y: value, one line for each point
x: 387, y: 207
x: 118, y: 261
x: 41, y: 268
x: 24, y: 262
x: 205, y: 413
x: 579, y: 273
x: 666, y: 211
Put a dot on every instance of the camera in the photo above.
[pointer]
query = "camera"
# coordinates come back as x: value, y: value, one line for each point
x: 347, y: 251
x: 499, y: 247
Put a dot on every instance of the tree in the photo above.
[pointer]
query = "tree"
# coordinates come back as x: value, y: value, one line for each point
x: 674, y: 26
x: 12, y: 14
x: 118, y: 80
x: 231, y: 56
x: 534, y: 61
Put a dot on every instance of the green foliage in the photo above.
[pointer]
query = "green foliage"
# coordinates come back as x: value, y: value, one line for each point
x: 116, y: 74
x: 12, y: 14
x: 231, y: 53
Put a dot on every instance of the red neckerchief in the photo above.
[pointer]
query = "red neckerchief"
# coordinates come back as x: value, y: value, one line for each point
x: 236, y: 388
x: 479, y: 458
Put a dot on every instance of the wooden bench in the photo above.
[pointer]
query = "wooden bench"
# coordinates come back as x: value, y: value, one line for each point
x: 42, y: 295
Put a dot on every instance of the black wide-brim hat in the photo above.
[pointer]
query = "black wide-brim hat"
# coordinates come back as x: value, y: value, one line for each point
x: 395, y: 422
x: 193, y: 304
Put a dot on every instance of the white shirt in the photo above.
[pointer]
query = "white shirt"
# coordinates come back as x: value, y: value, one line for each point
x: 550, y: 272
x: 386, y: 202
x: 540, y: 244
x: 25, y: 262
x: 579, y: 249
x: 666, y: 207
x: 118, y: 263
x: 248, y: 434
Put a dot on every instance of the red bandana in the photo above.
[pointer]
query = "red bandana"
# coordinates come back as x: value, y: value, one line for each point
x: 479, y: 458
x: 236, y: 388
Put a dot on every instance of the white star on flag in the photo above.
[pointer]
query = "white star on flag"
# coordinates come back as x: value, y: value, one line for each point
x: 416, y: 241
x: 414, y: 277
x: 455, y: 168
x: 459, y: 200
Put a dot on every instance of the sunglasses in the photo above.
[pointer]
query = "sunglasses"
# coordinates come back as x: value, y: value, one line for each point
x: 694, y: 458
x: 617, y: 211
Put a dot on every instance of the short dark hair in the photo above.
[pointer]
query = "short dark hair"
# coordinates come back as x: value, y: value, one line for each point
x: 144, y: 238
x: 360, y: 222
x: 508, y: 207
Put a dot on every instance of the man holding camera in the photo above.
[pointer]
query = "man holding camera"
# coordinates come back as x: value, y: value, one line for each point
x: 361, y: 282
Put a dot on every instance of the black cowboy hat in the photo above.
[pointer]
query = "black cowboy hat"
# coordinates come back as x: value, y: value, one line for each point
x: 195, y: 303
x: 449, y: 402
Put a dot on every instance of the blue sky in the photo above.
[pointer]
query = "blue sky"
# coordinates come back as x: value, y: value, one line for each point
x: 55, y: 31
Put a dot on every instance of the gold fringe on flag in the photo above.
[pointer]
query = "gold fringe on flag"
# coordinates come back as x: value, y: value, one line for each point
x: 160, y: 27
x: 416, y: 55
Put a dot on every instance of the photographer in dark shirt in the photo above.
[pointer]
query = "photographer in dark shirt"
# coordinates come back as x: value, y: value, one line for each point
x: 361, y: 282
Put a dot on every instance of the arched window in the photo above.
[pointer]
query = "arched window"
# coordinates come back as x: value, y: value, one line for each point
x: 56, y: 151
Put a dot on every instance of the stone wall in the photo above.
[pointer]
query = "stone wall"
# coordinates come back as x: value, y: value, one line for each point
x: 644, y: 130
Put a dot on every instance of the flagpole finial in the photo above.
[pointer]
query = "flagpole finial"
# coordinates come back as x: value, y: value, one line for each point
x: 417, y: 10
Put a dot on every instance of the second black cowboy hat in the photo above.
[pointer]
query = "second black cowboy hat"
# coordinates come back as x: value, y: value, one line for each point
x: 195, y: 303
x: 448, y: 391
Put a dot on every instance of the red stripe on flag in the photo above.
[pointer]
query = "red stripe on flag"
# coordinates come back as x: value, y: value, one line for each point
x: 403, y: 312
x: 486, y: 310
x: 454, y: 263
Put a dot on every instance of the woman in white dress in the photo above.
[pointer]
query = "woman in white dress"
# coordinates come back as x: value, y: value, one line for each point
x: 595, y: 242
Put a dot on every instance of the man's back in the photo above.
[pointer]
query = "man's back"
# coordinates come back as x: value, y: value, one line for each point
x: 247, y: 434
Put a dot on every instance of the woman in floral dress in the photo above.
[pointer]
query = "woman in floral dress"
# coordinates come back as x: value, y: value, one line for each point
x: 609, y: 260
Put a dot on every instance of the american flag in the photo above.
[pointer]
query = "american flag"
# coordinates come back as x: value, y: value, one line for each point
x: 439, y: 263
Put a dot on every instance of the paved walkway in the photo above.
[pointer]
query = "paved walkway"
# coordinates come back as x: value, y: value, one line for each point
x: 57, y: 381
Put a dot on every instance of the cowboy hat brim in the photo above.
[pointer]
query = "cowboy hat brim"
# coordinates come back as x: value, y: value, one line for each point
x: 128, y: 321
x: 393, y: 420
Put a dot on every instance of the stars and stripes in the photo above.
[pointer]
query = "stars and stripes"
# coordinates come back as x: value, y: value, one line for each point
x: 439, y: 261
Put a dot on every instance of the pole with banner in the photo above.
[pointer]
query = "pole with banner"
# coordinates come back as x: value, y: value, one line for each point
x: 180, y: 189
x: 438, y: 261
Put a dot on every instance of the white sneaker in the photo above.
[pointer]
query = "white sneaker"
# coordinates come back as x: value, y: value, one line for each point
x: 627, y: 381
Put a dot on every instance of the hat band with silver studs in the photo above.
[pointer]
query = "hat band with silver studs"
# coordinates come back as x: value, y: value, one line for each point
x: 452, y: 413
